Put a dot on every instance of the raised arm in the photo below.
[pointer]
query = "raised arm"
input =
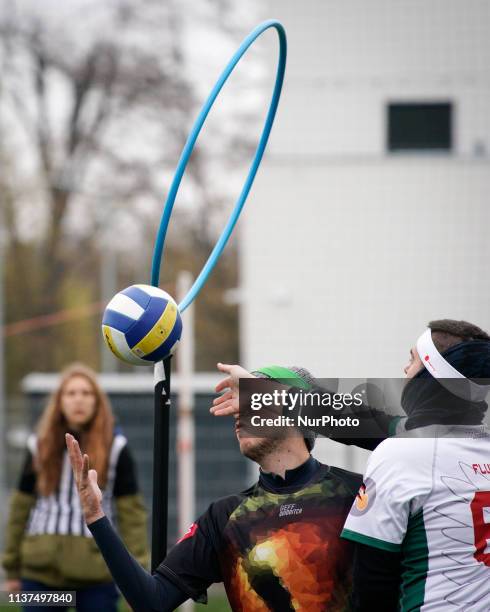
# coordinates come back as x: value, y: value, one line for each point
x: 143, y: 591
x: 377, y: 425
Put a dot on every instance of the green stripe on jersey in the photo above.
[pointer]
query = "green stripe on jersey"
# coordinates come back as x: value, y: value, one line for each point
x: 415, y: 563
x: 392, y: 425
x: 364, y: 539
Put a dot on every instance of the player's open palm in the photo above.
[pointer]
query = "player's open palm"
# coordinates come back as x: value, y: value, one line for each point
x: 227, y: 404
x: 86, y: 481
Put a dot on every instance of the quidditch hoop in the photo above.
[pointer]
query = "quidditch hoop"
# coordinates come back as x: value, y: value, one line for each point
x: 187, y: 151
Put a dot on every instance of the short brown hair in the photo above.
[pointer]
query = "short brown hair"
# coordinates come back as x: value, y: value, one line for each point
x: 449, y: 332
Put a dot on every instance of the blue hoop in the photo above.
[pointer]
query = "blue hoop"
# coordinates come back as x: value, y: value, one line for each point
x: 187, y: 150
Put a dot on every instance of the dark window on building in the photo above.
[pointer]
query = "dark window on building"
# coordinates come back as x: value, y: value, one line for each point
x: 419, y: 127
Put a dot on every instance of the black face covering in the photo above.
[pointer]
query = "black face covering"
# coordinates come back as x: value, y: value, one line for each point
x: 426, y: 402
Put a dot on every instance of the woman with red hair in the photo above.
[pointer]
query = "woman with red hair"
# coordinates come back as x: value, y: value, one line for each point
x: 48, y: 545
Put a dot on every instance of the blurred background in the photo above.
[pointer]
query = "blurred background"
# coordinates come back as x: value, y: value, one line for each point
x: 368, y: 217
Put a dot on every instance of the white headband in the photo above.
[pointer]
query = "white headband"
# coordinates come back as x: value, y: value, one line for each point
x: 439, y: 368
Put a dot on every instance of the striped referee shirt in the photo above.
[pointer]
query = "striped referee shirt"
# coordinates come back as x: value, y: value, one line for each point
x: 61, y: 512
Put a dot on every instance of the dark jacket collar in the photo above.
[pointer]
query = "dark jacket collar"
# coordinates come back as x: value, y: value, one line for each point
x: 293, y: 479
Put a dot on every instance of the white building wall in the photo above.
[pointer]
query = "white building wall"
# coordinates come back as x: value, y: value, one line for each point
x: 346, y: 59
x: 347, y: 252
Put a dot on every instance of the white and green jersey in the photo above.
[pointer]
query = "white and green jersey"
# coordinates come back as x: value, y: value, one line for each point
x: 429, y: 498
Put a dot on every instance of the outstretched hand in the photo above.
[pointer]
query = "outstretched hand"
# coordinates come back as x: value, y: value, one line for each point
x: 86, y: 481
x: 227, y: 404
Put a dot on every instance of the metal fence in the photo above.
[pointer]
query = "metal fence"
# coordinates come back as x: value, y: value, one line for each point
x: 219, y: 468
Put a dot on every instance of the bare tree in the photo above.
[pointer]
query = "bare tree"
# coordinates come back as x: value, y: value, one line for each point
x: 95, y: 105
x: 74, y: 102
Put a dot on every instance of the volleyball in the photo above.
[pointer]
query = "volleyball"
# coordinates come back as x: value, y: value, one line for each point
x: 142, y: 325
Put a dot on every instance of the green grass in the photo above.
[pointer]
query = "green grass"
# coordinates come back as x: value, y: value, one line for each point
x: 217, y: 603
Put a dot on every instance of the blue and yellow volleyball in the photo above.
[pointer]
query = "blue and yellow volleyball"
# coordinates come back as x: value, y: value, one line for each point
x: 142, y: 325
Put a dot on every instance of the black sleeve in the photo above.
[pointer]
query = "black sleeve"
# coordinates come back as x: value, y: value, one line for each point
x: 126, y: 481
x: 27, y: 480
x: 193, y: 562
x: 144, y: 592
x: 375, y: 425
x: 376, y: 580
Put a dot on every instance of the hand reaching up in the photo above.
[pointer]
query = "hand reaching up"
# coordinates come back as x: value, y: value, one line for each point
x: 86, y: 481
x: 227, y: 404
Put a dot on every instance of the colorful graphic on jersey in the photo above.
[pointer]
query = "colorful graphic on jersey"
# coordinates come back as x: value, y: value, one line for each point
x: 288, y: 560
x: 433, y: 508
x: 365, y: 498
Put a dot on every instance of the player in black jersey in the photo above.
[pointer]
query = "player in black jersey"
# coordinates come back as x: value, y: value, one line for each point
x: 275, y: 546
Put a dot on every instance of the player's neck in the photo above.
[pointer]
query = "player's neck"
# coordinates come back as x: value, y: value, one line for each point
x: 285, y: 458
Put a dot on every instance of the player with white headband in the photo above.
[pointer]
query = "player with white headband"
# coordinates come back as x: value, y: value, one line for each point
x: 421, y: 519
x: 441, y: 369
